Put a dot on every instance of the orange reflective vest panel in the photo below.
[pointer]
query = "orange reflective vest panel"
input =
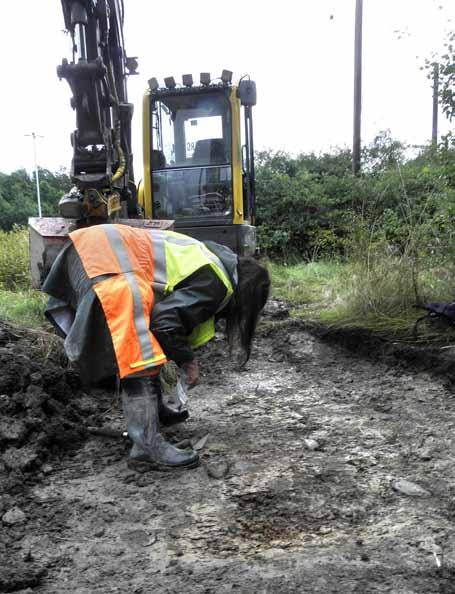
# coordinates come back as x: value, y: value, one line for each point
x: 123, y: 257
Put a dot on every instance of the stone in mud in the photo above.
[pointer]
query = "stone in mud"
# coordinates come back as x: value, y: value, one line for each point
x: 276, y: 310
x: 13, y: 516
x: 4, y: 402
x: 12, y: 429
x: 6, y: 501
x: 426, y: 454
x: 36, y: 378
x: 47, y: 469
x: 311, y: 444
x: 35, y: 397
x: 408, y: 488
x: 19, y: 458
x: 217, y: 470
x: 136, y: 538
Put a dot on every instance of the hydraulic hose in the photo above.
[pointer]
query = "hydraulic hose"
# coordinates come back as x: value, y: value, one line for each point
x: 122, y: 160
x: 121, y: 155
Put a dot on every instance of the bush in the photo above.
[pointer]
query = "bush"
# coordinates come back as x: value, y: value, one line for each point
x: 18, y: 196
x: 309, y: 206
x: 14, y: 259
x: 301, y: 203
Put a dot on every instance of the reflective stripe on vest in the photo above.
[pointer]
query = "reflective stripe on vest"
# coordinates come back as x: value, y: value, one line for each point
x: 127, y: 296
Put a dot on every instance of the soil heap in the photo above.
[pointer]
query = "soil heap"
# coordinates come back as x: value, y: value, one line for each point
x: 43, y: 407
x: 43, y: 414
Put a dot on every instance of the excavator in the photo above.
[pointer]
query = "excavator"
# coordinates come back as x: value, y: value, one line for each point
x: 198, y: 170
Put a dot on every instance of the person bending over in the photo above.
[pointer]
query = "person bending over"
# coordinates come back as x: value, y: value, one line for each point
x: 127, y: 300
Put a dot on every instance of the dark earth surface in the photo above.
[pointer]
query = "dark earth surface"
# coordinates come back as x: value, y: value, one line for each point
x: 323, y: 471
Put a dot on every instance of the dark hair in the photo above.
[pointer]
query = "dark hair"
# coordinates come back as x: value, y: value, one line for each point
x: 247, y: 302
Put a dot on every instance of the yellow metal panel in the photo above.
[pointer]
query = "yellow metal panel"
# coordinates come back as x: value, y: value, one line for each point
x: 146, y: 151
x: 237, y: 184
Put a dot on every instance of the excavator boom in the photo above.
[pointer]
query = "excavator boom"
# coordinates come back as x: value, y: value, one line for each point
x: 101, y: 168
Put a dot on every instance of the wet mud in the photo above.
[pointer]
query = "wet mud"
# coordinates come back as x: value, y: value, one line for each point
x: 322, y: 472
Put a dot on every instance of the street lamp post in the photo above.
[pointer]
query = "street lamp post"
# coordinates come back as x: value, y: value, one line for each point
x: 357, y: 87
x: 38, y: 195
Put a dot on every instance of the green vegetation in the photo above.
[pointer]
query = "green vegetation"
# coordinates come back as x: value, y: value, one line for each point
x: 18, y: 302
x: 343, y: 250
x: 347, y: 294
x: 361, y: 251
x: 310, y: 288
x: 18, y: 196
x: 311, y: 207
x: 14, y: 261
x: 23, y: 307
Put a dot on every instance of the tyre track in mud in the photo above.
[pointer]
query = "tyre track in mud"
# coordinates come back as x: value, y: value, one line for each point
x: 281, y: 517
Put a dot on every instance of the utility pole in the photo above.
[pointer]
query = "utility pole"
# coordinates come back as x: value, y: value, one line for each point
x: 357, y: 87
x: 38, y: 195
x: 434, y: 133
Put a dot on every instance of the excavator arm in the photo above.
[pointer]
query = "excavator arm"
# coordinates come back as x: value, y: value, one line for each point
x: 101, y: 168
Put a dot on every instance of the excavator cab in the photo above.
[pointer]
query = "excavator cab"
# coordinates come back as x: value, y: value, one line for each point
x: 197, y: 169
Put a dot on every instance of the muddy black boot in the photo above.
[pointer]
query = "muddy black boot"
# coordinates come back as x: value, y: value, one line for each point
x: 169, y: 416
x: 140, y: 404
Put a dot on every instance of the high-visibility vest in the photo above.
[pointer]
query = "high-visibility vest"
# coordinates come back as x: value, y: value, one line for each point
x: 129, y: 267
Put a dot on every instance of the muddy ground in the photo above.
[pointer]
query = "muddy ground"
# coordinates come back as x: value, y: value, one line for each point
x: 300, y: 490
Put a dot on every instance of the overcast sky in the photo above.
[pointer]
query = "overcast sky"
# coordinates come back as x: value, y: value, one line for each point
x: 300, y: 52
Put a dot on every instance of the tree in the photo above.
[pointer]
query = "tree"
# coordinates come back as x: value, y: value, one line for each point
x: 18, y: 195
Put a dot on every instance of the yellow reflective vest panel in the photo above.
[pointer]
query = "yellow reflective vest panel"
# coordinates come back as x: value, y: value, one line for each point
x: 184, y: 256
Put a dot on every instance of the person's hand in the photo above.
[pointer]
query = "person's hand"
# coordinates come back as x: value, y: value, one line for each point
x: 191, y: 369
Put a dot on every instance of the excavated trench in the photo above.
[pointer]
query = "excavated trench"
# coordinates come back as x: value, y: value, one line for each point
x: 322, y: 471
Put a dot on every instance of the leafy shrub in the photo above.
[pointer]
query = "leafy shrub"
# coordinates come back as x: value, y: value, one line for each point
x: 14, y: 259
x: 299, y: 203
x: 307, y: 206
x: 18, y: 196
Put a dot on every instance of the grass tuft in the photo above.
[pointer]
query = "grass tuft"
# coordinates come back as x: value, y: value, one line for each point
x: 14, y: 260
x: 18, y: 302
x: 25, y: 307
x: 379, y: 294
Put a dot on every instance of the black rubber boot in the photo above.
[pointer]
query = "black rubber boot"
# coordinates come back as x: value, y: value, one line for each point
x: 140, y: 404
x: 169, y: 416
